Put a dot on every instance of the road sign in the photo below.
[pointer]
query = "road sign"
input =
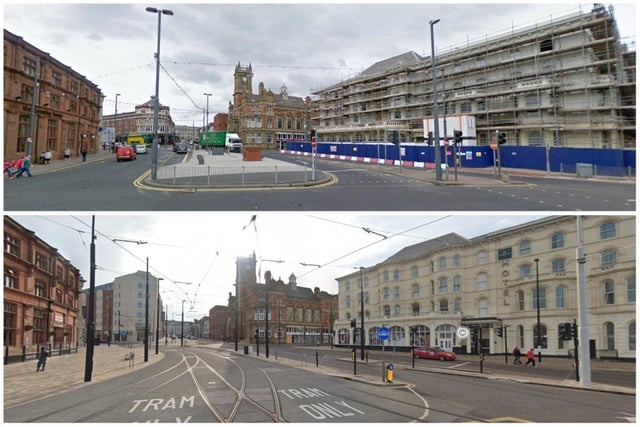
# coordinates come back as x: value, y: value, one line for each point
x: 384, y: 333
x: 462, y: 332
x: 493, y: 145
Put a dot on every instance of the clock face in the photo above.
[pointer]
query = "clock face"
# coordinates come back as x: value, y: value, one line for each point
x: 244, y: 78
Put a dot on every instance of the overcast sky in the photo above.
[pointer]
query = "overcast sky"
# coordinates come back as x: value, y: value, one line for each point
x: 202, y: 248
x: 303, y: 46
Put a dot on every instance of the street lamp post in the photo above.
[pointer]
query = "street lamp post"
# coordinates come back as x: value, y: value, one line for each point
x: 236, y: 317
x: 115, y: 121
x: 436, y: 132
x: 154, y: 148
x: 146, y: 316
x: 182, y: 327
x: 361, y: 315
x: 158, y: 315
x: 206, y: 126
x: 537, y: 260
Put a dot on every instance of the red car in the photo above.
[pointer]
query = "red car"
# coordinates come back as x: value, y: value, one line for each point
x: 125, y: 152
x: 433, y: 353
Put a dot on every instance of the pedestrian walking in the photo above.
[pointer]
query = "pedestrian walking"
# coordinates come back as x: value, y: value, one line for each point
x: 67, y: 153
x: 42, y: 359
x: 531, y: 358
x: 516, y: 356
x: 7, y: 168
x: 83, y: 151
x: 26, y: 166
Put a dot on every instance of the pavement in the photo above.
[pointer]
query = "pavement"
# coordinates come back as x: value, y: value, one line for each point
x: 66, y: 372
x: 297, y: 172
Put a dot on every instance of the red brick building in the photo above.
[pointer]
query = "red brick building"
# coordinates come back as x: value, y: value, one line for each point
x: 41, y: 293
x: 267, y: 119
x: 62, y: 107
x: 218, y: 323
x: 295, y: 314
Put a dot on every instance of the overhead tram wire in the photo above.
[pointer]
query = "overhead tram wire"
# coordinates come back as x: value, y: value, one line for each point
x: 374, y: 243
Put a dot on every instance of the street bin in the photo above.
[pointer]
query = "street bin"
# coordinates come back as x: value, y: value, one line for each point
x: 246, y: 349
x: 390, y: 373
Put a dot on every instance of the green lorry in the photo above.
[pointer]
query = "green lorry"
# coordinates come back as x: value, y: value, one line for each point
x: 228, y: 140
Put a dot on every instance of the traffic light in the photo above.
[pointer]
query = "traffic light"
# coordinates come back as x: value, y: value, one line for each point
x: 574, y: 330
x: 564, y: 331
x: 313, y: 133
x: 430, y: 139
x: 256, y: 333
x: 457, y: 137
x: 353, y: 323
x: 502, y: 138
x: 499, y: 332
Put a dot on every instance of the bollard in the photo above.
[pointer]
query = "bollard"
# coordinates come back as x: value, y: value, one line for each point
x: 317, y: 359
x: 390, y: 373
x: 366, y: 356
x: 481, y: 362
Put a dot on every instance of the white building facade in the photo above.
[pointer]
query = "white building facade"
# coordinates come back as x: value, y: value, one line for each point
x: 494, y: 281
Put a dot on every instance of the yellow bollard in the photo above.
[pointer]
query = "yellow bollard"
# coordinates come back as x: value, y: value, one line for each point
x: 390, y: 373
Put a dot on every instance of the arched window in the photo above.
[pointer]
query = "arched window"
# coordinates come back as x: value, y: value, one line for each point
x: 557, y: 241
x: 444, y: 287
x: 539, y: 300
x: 609, y: 336
x: 456, y: 283
x: 560, y: 296
x: 609, y: 292
x: 455, y: 260
x: 415, y: 290
x: 607, y: 230
x: 481, y: 281
x: 520, y: 337
x: 520, y: 296
x: 481, y: 258
x: 483, y: 307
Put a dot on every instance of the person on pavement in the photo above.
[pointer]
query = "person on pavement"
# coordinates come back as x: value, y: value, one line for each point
x: 84, y: 151
x: 67, y: 153
x: 531, y: 358
x: 516, y: 356
x: 26, y: 166
x: 42, y: 358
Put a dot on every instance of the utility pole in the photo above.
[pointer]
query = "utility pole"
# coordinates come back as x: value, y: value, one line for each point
x: 584, y: 369
x: 88, y: 366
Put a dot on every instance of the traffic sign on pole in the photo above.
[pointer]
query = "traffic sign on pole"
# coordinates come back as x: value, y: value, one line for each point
x: 384, y: 333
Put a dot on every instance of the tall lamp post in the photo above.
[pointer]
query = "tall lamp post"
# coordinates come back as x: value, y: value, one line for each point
x: 206, y: 125
x: 436, y: 132
x: 182, y: 327
x: 537, y: 260
x: 154, y: 148
x: 115, y: 121
x: 361, y: 315
x: 158, y: 314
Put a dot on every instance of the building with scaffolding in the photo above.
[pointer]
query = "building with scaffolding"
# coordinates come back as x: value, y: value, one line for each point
x: 568, y: 82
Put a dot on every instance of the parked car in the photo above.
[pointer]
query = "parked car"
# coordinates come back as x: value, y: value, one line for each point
x: 141, y: 149
x: 433, y: 353
x: 125, y: 152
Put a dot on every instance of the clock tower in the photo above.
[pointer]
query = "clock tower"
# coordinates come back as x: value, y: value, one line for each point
x: 242, y: 82
x: 246, y: 269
